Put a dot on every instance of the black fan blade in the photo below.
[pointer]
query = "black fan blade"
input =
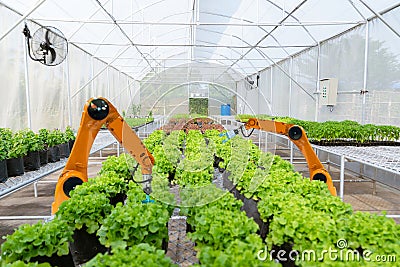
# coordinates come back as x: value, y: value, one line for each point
x: 46, y: 37
x: 53, y: 54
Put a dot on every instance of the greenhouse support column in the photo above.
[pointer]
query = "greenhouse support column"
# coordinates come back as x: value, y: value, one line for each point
x: 27, y: 93
x: 108, y: 83
x: 68, y: 92
x: 291, y: 152
x: 341, y: 186
x: 91, y: 76
x: 364, y: 91
x: 318, y: 78
x: 272, y: 102
x: 290, y: 85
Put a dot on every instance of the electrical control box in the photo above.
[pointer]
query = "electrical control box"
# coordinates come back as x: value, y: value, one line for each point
x: 328, y: 88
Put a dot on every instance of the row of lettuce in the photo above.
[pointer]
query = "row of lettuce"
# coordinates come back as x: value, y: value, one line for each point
x: 301, y: 216
x: 336, y: 130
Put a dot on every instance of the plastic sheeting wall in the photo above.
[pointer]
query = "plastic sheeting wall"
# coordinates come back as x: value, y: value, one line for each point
x: 342, y: 57
x: 50, y: 87
x: 12, y: 76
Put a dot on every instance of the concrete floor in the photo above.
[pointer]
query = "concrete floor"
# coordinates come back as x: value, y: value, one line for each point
x: 23, y: 202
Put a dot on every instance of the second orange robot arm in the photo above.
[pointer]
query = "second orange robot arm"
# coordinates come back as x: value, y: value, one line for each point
x: 298, y: 136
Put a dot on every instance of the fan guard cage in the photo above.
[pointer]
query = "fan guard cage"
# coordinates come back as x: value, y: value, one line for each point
x: 49, y: 46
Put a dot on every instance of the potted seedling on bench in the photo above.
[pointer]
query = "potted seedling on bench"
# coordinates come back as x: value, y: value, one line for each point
x: 34, y: 144
x: 5, y: 138
x: 18, y: 149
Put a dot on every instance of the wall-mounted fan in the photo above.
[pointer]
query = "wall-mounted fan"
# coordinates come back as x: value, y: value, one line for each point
x: 250, y: 84
x: 48, y: 45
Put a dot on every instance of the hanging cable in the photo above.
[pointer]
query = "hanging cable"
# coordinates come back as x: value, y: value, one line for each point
x: 251, y: 132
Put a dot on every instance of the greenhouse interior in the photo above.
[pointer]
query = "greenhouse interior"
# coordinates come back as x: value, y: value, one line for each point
x: 199, y: 132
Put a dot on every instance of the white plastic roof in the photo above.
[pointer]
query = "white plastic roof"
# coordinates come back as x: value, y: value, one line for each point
x: 241, y: 37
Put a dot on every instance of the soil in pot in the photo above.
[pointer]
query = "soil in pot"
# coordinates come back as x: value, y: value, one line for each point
x: 15, y: 167
x: 43, y: 155
x: 54, y: 154
x: 3, y: 171
x: 32, y: 161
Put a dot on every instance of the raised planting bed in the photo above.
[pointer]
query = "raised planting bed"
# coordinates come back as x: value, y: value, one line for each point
x: 186, y: 124
x: 340, y: 133
x: 138, y: 121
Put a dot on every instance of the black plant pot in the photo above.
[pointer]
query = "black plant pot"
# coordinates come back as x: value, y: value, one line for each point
x: 32, y: 161
x: 85, y: 246
x: 64, y: 150
x: 67, y: 150
x: 249, y: 206
x: 118, y: 198
x: 287, y: 249
x: 3, y: 171
x: 71, y: 144
x: 44, y: 157
x: 54, y: 154
x: 15, y: 166
x: 55, y: 260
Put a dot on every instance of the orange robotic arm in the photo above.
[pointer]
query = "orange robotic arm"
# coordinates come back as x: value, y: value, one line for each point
x: 98, y: 112
x: 298, y: 136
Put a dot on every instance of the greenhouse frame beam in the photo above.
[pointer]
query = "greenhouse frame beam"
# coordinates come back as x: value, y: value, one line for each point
x: 381, y: 18
x: 21, y: 19
x: 295, y: 18
x: 83, y: 22
x: 357, y: 10
x: 184, y: 59
x: 265, y: 36
x: 212, y: 45
x: 125, y: 34
x: 249, y: 21
x: 234, y: 24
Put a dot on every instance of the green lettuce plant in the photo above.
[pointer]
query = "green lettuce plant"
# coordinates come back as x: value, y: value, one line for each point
x: 18, y: 146
x: 218, y: 228
x: 138, y: 255
x: 238, y: 253
x: 69, y: 134
x: 29, y: 264
x: 122, y: 166
x: 55, y: 137
x: 132, y: 224
x: 5, y: 142
x: 32, y: 141
x: 85, y: 210
x: 40, y: 239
